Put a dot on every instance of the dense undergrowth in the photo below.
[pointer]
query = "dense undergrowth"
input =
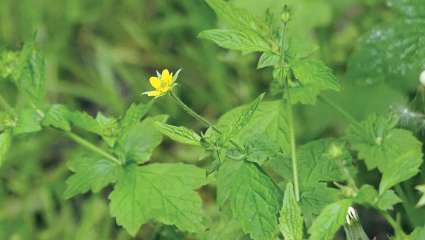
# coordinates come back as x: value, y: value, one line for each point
x: 309, y: 123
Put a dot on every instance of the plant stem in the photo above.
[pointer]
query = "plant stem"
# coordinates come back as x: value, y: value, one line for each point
x: 344, y: 113
x: 198, y: 117
x: 396, y: 226
x: 83, y: 142
x: 284, y: 76
x: 292, y: 140
x: 5, y: 104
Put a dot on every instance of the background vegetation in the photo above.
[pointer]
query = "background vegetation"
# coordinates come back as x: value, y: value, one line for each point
x: 99, y: 55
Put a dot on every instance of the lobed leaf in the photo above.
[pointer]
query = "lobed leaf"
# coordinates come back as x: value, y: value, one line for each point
x: 387, y: 148
x: 162, y: 192
x: 253, y: 197
x: 90, y: 172
x: 329, y: 221
x: 138, y: 142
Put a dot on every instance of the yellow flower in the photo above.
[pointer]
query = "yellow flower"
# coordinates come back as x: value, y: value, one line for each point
x: 162, y: 84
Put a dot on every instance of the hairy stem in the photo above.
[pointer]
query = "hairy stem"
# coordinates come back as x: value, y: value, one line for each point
x: 90, y: 146
x: 285, y: 77
x: 292, y: 140
x: 198, y: 117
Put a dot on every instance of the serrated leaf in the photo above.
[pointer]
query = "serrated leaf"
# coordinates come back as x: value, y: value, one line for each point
x: 85, y: 121
x: 57, y: 116
x: 179, y: 134
x: 367, y: 195
x: 90, y: 172
x: 393, y: 52
x: 139, y: 141
x: 291, y: 220
x: 253, y: 198
x: 265, y: 136
x: 245, y: 41
x: 387, y: 148
x: 29, y: 72
x: 317, y: 162
x: 244, y: 118
x: 5, y: 142
x: 387, y: 200
x: 234, y: 17
x: 267, y: 59
x: 314, y: 198
x: 163, y: 192
x: 109, y: 128
x: 134, y: 114
x: 28, y: 121
x: 312, y: 77
x: 329, y: 221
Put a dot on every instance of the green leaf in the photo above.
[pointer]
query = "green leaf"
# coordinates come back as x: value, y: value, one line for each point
x: 5, y: 142
x: 291, y: 220
x: 179, y: 134
x: 234, y: 17
x: 163, y: 192
x: 318, y: 161
x: 265, y: 135
x: 387, y: 200
x: 91, y: 172
x: 134, y: 114
x: 253, y: 197
x: 311, y: 78
x: 139, y: 141
x: 85, y: 121
x: 109, y: 128
x: 409, y: 8
x: 245, y: 41
x: 387, y: 148
x: 394, y: 51
x: 7, y: 121
x: 367, y: 195
x: 314, y: 198
x: 28, y: 121
x: 8, y: 60
x: 244, y: 118
x: 57, y: 116
x: 329, y: 221
x: 29, y: 73
x: 267, y: 59
x: 418, y: 234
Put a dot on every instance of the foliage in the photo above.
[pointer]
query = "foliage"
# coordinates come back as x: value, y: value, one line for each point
x: 292, y: 161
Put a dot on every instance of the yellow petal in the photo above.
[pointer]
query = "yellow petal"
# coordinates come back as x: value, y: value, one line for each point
x: 153, y: 93
x: 155, y: 82
x: 166, y: 77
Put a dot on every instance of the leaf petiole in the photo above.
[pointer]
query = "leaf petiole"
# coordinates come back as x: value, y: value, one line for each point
x: 83, y: 142
x: 195, y: 115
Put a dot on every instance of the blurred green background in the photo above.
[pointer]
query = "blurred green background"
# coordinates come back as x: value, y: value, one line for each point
x: 99, y: 55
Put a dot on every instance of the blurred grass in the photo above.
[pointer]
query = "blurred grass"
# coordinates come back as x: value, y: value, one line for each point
x: 99, y: 55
